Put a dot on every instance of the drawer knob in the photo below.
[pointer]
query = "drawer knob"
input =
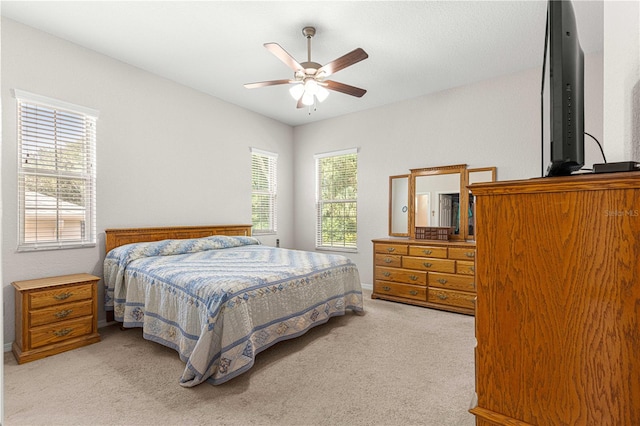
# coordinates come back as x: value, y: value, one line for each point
x: 386, y: 288
x: 63, y: 296
x: 391, y: 249
x: 470, y: 254
x: 427, y: 251
x: 63, y: 332
x: 413, y: 277
x: 442, y: 296
x: 386, y: 273
x: 387, y: 260
x: 442, y: 281
x: 427, y: 264
x: 472, y: 268
x: 63, y: 313
x: 413, y: 293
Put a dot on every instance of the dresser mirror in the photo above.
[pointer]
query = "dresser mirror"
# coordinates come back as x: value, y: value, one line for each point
x: 399, y: 206
x: 435, y: 197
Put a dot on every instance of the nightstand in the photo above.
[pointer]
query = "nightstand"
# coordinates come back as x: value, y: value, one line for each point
x: 54, y: 315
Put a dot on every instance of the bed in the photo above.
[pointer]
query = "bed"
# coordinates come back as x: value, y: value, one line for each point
x: 219, y: 297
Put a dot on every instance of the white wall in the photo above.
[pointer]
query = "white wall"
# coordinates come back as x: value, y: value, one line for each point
x: 622, y: 80
x: 491, y: 123
x: 167, y: 154
x: 162, y: 146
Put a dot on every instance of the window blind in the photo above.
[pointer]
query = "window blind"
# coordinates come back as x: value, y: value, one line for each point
x: 56, y: 173
x: 264, y: 191
x: 336, y: 200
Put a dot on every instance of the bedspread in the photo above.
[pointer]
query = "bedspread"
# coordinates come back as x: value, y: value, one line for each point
x: 218, y: 301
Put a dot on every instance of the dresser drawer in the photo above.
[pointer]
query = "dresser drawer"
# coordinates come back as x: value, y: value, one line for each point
x: 388, y: 260
x: 452, y: 282
x: 465, y: 267
x: 400, y: 290
x: 58, y: 332
x: 461, y: 253
x: 60, y: 295
x: 429, y: 264
x: 428, y: 251
x: 452, y: 298
x: 54, y: 314
x: 391, y: 248
x: 402, y: 275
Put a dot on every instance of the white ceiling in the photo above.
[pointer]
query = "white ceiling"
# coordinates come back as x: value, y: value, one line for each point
x: 415, y: 47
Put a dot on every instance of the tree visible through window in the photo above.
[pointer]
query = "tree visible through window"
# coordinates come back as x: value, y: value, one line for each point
x: 336, y: 197
x: 56, y: 173
x: 263, y: 191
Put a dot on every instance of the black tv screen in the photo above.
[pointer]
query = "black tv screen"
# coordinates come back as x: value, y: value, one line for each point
x: 566, y: 90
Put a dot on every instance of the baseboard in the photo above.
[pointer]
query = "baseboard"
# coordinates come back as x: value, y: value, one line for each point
x: 366, y: 286
x: 7, y: 347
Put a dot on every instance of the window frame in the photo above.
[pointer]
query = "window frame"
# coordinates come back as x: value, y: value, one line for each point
x: 29, y: 138
x: 271, y: 191
x: 320, y: 239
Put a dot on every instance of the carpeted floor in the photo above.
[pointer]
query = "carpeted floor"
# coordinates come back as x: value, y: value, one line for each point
x: 395, y: 365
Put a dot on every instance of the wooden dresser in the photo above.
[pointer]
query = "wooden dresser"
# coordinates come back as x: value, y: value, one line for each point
x: 558, y: 301
x: 54, y: 315
x: 430, y: 273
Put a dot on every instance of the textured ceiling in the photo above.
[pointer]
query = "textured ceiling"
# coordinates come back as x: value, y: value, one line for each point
x: 415, y: 47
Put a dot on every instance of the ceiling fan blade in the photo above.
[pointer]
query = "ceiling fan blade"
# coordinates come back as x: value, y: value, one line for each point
x: 284, y: 56
x: 344, y: 88
x: 266, y: 83
x: 344, y: 61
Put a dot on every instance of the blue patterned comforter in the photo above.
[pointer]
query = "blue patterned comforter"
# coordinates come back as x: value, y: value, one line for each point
x: 220, y: 300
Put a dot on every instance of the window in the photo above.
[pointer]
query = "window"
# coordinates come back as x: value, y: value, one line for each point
x: 56, y: 173
x: 336, y: 199
x: 263, y: 191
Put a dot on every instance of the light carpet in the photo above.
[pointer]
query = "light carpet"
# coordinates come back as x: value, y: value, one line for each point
x: 395, y: 365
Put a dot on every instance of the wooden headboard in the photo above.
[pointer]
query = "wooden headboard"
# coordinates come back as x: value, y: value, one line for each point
x: 118, y: 237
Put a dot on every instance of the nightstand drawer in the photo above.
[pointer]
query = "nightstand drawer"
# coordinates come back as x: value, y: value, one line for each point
x: 53, y: 333
x: 60, y: 295
x: 64, y: 312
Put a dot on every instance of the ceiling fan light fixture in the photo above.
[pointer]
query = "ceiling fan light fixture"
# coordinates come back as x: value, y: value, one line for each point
x: 322, y: 94
x: 296, y: 91
x: 311, y: 86
x: 308, y: 99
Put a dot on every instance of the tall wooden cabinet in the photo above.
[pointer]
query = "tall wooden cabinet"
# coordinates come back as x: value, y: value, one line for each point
x: 558, y: 301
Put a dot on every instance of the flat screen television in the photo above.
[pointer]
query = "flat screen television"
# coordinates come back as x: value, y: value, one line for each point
x: 566, y: 90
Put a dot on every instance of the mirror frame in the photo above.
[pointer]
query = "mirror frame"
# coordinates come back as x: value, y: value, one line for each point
x: 391, y: 206
x: 470, y: 195
x: 464, y: 198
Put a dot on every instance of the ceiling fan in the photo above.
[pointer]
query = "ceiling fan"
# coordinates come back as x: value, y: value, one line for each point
x: 309, y: 78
